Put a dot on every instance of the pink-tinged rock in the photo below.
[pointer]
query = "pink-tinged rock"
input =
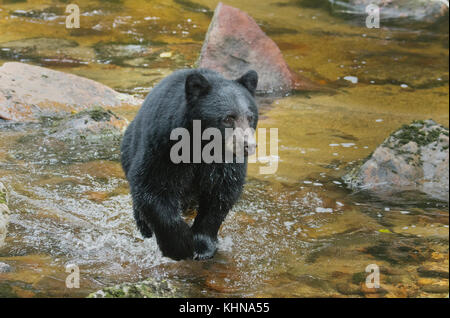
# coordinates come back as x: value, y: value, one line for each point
x: 235, y: 44
x: 28, y: 92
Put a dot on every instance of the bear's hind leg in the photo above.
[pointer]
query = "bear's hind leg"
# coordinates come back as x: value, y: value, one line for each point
x: 144, y: 229
x: 173, y: 235
x: 142, y: 226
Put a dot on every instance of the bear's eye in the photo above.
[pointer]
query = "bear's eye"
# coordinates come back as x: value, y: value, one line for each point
x: 229, y: 120
x: 250, y: 119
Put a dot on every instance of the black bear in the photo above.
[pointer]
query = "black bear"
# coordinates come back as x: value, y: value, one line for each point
x: 162, y: 189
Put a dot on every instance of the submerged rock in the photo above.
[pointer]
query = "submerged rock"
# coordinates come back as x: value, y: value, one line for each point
x: 394, y: 11
x: 4, y: 214
x: 235, y: 44
x: 145, y: 289
x: 88, y: 135
x: 90, y: 125
x: 413, y: 158
x: 400, y: 250
x: 47, y: 51
x: 433, y: 271
x: 28, y: 92
x: 4, y: 268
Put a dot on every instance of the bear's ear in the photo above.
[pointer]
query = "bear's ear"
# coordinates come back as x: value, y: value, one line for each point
x: 250, y: 81
x: 196, y: 86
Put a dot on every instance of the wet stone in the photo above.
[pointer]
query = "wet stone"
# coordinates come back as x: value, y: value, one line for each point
x: 366, y: 290
x: 5, y: 268
x: 394, y: 279
x: 28, y: 92
x: 348, y: 289
x: 118, y: 54
x: 4, y: 213
x: 358, y: 278
x: 146, y: 289
x: 47, y: 52
x: 88, y: 135
x: 436, y: 289
x: 47, y: 14
x: 235, y: 44
x: 413, y: 158
x: 401, y: 251
x: 425, y: 271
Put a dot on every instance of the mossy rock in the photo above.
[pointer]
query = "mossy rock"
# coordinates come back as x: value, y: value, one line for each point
x: 97, y: 114
x: 413, y: 158
x: 91, y: 134
x: 3, y: 194
x: 4, y: 213
x: 149, y: 288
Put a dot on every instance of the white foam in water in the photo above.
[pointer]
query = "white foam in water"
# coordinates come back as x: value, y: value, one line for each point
x: 58, y: 220
x: 288, y: 224
x: 352, y: 79
x: 226, y: 243
x: 324, y: 210
x: 86, y: 232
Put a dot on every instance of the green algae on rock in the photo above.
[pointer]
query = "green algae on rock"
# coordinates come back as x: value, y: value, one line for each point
x: 413, y: 158
x: 91, y: 134
x: 3, y: 194
x: 149, y: 288
x: 4, y: 213
x: 93, y: 123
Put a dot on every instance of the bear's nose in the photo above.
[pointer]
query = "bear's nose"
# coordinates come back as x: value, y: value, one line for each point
x: 249, y: 148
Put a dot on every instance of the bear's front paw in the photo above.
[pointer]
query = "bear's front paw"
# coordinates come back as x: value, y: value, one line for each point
x: 179, y: 246
x: 205, y: 247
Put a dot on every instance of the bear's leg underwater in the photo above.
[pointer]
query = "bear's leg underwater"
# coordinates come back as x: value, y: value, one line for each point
x: 212, y: 212
x: 161, y: 214
x: 142, y: 226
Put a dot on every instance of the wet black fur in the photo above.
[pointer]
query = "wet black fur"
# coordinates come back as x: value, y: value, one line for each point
x: 162, y: 190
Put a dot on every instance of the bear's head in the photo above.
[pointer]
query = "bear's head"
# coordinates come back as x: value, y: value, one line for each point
x: 226, y: 105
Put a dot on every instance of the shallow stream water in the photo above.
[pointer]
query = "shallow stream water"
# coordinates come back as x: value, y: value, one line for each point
x: 296, y: 233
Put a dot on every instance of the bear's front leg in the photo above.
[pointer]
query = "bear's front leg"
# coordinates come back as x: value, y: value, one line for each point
x: 175, y: 239
x: 211, y: 214
x: 162, y: 214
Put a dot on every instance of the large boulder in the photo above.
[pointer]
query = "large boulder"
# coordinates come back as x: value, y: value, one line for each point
x: 4, y: 214
x: 235, y: 44
x: 28, y: 92
x: 413, y: 158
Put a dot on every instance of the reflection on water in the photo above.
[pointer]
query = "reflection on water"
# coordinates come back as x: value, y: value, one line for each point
x: 298, y: 232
